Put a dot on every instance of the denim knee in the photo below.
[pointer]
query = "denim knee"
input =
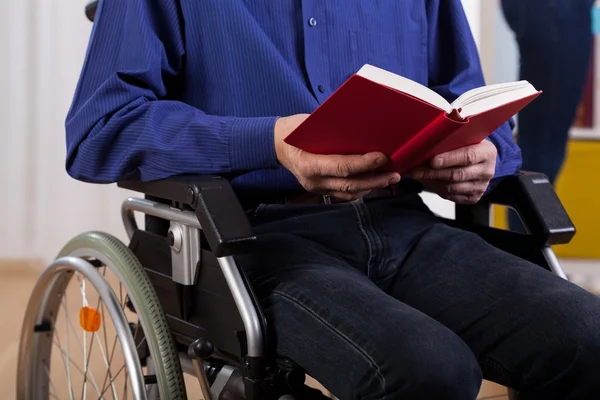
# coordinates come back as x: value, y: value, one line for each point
x: 580, y: 344
x: 565, y: 364
x: 439, y: 366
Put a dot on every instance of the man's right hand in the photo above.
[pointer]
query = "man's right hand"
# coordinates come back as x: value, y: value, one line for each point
x: 346, y: 177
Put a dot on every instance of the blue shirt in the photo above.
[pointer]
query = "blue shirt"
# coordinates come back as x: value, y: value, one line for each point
x: 195, y: 86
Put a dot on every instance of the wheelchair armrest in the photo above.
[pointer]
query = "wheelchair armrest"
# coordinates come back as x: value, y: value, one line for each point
x: 217, y: 208
x: 533, y: 197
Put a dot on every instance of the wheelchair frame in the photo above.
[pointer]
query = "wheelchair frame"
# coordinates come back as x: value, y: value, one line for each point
x: 207, y: 227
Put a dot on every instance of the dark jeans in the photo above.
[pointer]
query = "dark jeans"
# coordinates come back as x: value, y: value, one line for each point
x: 555, y: 43
x: 378, y: 300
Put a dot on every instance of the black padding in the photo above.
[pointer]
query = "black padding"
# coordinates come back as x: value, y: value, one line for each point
x: 222, y: 218
x: 533, y: 197
x: 217, y: 207
x: 180, y: 188
x: 205, y: 310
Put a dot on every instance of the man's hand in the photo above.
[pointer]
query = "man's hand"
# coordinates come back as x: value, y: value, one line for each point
x: 345, y: 177
x: 461, y: 175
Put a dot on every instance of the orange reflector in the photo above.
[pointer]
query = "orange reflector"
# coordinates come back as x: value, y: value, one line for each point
x: 89, y: 319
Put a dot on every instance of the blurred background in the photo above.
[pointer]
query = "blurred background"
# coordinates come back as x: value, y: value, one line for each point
x: 42, y: 47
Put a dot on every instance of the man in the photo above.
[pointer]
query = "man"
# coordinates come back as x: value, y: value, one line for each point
x: 373, y: 298
x: 555, y: 44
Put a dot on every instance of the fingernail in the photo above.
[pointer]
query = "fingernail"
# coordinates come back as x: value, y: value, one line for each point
x: 380, y: 160
x: 438, y: 162
x: 395, y: 180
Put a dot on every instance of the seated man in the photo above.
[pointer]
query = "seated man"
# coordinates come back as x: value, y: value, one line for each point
x: 375, y: 299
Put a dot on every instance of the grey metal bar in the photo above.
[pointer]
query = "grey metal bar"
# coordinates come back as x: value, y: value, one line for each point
x: 553, y: 262
x: 155, y: 209
x: 244, y: 304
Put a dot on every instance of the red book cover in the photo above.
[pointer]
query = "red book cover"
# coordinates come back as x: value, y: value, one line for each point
x: 363, y: 116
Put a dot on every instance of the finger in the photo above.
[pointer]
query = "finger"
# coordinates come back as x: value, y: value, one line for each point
x: 458, y: 174
x: 464, y: 199
x: 344, y: 166
x: 464, y: 156
x: 465, y: 191
x: 349, y: 196
x: 359, y: 183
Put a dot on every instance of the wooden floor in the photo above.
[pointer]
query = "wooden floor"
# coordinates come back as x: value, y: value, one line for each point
x: 16, y: 283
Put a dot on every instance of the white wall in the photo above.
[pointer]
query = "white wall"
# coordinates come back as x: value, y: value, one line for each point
x: 473, y: 9
x: 43, y: 45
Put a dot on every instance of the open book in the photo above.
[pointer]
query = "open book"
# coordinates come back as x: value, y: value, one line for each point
x: 377, y: 110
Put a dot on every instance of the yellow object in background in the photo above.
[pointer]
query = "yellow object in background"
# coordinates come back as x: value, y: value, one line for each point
x: 578, y: 187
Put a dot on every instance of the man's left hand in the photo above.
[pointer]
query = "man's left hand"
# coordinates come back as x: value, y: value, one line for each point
x: 461, y: 175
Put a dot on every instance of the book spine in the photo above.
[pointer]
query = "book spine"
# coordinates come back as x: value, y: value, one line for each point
x: 419, y: 149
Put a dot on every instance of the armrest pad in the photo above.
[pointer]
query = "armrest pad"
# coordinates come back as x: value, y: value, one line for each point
x: 533, y: 197
x: 219, y: 212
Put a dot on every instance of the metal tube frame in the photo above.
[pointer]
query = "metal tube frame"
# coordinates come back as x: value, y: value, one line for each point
x: 553, y: 262
x: 228, y: 266
x: 155, y: 209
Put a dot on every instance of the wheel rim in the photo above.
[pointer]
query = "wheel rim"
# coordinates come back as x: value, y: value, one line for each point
x: 39, y: 338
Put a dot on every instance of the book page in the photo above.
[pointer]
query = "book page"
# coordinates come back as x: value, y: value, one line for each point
x: 404, y: 85
x: 498, y: 99
x: 477, y: 94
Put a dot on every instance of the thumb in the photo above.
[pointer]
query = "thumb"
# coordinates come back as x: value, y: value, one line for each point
x: 347, y: 165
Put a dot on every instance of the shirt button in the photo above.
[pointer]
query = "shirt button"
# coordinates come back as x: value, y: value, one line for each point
x: 321, y: 89
x: 312, y: 21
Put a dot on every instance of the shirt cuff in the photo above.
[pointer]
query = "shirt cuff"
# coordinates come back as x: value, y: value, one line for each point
x: 252, y: 144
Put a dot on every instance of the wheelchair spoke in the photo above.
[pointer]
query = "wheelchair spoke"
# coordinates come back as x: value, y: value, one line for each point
x: 137, y: 347
x: 125, y: 390
x: 105, y: 389
x: 67, y: 364
x: 51, y: 384
x: 112, y: 353
x: 107, y: 364
x: 64, y: 354
x: 81, y: 347
x: 87, y: 356
x: 87, y: 362
x: 78, y: 368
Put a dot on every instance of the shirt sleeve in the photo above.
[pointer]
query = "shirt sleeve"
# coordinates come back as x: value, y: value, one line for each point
x: 455, y: 67
x: 125, y: 120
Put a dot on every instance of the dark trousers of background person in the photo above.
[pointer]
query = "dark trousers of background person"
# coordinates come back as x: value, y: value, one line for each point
x: 555, y: 43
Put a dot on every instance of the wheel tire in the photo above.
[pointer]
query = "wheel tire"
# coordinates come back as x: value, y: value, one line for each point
x: 119, y: 259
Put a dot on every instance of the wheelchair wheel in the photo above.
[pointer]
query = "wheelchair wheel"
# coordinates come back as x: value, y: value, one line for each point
x: 56, y: 356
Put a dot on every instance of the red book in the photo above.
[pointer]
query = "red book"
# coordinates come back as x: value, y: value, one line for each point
x: 376, y: 110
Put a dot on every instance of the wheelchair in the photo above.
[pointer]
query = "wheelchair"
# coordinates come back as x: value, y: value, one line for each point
x: 196, y: 311
x: 184, y: 307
